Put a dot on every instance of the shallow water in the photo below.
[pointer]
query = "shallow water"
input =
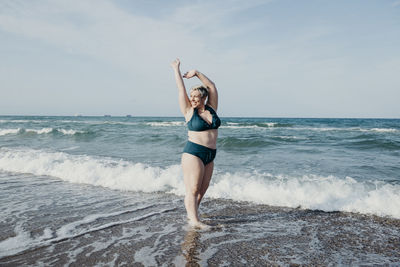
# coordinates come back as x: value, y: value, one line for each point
x: 106, y: 191
x: 89, y: 225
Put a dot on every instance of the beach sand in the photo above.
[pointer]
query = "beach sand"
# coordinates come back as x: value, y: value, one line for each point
x: 242, y: 234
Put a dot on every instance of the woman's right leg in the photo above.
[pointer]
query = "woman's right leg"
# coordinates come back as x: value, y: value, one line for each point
x: 193, y: 172
x: 208, y: 171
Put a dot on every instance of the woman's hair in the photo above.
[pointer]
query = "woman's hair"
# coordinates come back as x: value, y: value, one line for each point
x: 202, y: 90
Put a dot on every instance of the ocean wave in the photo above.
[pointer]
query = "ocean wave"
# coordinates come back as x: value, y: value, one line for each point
x: 90, y: 122
x: 70, y: 131
x: 115, y: 123
x: 276, y: 124
x: 70, y: 148
x: 38, y: 131
x: 238, y: 143
x: 46, y: 130
x: 23, y: 121
x: 255, y: 125
x: 100, y: 171
x: 315, y: 192
x: 239, y: 126
x: 374, y: 144
x: 311, y: 192
x: 9, y: 131
x: 285, y: 138
x: 380, y: 130
x: 165, y: 123
x: 349, y: 129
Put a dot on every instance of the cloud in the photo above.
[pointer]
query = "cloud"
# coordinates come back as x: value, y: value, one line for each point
x: 97, y: 29
x: 272, y: 58
x: 142, y: 46
x: 396, y: 3
x: 103, y: 30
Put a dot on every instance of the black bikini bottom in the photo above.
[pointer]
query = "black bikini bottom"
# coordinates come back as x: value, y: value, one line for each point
x: 206, y: 154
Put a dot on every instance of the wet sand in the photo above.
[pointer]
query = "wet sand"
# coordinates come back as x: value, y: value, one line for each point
x: 243, y: 234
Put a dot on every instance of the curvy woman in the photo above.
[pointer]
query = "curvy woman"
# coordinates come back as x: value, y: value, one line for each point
x: 199, y: 110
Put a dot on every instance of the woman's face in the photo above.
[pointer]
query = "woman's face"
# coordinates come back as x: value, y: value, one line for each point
x: 195, y: 99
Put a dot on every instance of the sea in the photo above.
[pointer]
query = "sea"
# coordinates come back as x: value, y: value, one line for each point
x: 108, y: 191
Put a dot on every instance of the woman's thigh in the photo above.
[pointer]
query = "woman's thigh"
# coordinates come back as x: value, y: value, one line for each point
x: 193, y: 171
x: 208, y: 171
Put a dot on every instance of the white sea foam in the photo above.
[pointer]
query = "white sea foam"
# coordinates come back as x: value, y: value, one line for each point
x: 166, y: 123
x: 328, y: 193
x: 21, y: 241
x: 312, y: 192
x: 24, y: 241
x: 242, y: 127
x: 46, y: 130
x: 105, y: 172
x: 351, y: 129
x: 380, y: 130
x: 39, y: 131
x: 236, y: 125
x: 287, y: 137
x: 9, y: 131
x: 270, y: 124
x: 69, y: 132
x: 70, y: 229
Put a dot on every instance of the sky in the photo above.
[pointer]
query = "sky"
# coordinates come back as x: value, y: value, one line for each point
x: 276, y: 58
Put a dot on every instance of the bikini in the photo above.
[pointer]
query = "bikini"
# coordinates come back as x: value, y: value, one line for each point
x: 198, y: 124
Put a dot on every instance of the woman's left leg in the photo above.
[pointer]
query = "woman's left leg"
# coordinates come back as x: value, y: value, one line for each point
x: 208, y: 171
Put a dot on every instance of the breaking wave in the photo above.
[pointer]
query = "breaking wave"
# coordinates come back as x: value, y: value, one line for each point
x: 328, y: 193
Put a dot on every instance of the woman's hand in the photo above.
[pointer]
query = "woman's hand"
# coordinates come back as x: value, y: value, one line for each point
x: 175, y: 64
x: 190, y: 74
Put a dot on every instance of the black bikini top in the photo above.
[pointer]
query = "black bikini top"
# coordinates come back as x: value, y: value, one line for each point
x: 198, y: 124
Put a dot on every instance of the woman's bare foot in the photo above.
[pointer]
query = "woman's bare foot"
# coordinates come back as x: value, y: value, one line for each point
x: 199, y: 225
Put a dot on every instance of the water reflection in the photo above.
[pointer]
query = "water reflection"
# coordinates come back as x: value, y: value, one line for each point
x: 191, y: 246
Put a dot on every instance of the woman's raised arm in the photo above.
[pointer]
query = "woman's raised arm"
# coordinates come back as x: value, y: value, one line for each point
x: 184, y: 102
x: 212, y: 90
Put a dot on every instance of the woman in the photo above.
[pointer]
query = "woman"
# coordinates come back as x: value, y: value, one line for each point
x: 200, y: 150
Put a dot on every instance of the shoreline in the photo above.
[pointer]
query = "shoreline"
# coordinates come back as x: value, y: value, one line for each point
x: 242, y: 233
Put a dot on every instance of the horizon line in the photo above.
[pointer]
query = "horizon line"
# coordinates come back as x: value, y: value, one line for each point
x: 155, y: 116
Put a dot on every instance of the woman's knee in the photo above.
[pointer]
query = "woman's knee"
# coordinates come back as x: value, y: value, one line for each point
x: 194, y: 192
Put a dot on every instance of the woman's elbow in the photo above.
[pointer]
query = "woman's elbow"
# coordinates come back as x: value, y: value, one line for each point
x: 212, y: 86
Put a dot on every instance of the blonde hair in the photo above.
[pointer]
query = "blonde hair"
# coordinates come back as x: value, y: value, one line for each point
x: 202, y: 90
